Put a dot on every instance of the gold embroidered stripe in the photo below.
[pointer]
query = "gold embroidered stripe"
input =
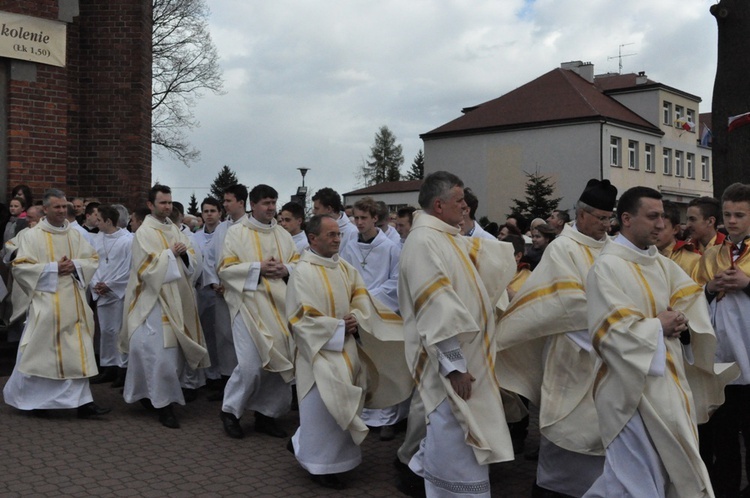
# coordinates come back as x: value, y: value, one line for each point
x: 276, y: 313
x: 474, y: 251
x: 230, y: 260
x: 348, y: 364
x: 647, y: 288
x: 690, y: 290
x: 329, y: 291
x: 419, y: 367
x: 441, y: 283
x: 610, y: 320
x: 302, y: 311
x: 560, y: 286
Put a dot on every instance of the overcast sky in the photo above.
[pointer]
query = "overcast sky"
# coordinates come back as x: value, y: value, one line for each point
x: 308, y: 83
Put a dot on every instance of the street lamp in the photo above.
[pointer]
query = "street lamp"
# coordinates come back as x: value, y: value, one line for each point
x: 304, y: 172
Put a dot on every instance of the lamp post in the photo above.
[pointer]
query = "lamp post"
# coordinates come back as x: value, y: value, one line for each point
x: 301, y: 196
x: 303, y: 171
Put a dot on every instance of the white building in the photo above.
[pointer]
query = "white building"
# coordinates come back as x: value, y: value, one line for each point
x: 572, y: 126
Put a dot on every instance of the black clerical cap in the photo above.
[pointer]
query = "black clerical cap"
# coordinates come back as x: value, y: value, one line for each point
x: 599, y: 194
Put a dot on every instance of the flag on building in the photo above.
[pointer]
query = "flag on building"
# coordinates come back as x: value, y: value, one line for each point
x: 685, y: 124
x: 706, y: 136
x: 739, y: 121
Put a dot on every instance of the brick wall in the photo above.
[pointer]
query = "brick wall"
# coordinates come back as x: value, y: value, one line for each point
x: 86, y: 128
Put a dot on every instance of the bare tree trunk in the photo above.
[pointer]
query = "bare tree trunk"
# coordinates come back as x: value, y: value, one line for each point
x: 731, y: 151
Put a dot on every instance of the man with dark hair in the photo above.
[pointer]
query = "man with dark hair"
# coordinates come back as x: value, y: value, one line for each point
x: 206, y: 293
x: 137, y: 217
x: 703, y: 219
x: 724, y: 270
x: 74, y: 225
x: 328, y: 201
x: 108, y: 291
x: 404, y: 219
x: 546, y: 354
x: 89, y: 223
x: 649, y: 394
x: 257, y: 258
x: 162, y: 332
x: 293, y: 219
x: 471, y: 228
x: 53, y: 265
x: 448, y: 288
x: 681, y: 252
x: 235, y: 206
x: 523, y: 269
x: 558, y: 219
x: 333, y: 331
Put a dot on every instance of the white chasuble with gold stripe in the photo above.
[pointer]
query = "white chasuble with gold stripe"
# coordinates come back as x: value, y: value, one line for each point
x: 626, y: 291
x: 537, y: 358
x: 370, y: 370
x: 58, y: 340
x: 263, y: 309
x: 148, y: 284
x: 449, y: 286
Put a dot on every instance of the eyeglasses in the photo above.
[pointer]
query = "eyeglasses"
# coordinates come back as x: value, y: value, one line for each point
x: 602, y: 219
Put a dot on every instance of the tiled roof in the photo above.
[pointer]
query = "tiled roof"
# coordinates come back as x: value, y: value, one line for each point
x: 389, y: 188
x: 559, y: 96
x: 615, y: 81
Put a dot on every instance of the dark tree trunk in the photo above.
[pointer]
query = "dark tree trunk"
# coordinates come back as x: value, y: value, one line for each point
x: 731, y: 151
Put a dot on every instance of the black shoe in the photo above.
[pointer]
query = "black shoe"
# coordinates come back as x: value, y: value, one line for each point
x: 190, y: 395
x: 146, y: 403
x: 167, y: 418
x: 107, y: 374
x: 231, y: 425
x: 408, y: 482
x: 267, y: 425
x: 91, y: 410
x: 217, y: 396
x: 387, y: 432
x: 290, y: 447
x: 120, y: 380
x: 331, y: 481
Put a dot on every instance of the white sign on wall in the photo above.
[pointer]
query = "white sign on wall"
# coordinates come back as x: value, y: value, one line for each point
x: 32, y: 39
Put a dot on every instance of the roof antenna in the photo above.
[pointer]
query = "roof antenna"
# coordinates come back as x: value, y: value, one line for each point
x: 621, y: 55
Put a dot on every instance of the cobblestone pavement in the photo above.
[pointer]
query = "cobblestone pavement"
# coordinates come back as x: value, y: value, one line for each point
x: 128, y: 453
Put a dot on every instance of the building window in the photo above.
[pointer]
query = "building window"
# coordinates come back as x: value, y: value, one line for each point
x: 678, y: 163
x: 691, y: 118
x: 632, y: 154
x: 667, y: 154
x: 690, y: 165
x: 615, y: 144
x: 667, y: 113
x: 704, y: 168
x: 649, y: 152
x: 679, y: 111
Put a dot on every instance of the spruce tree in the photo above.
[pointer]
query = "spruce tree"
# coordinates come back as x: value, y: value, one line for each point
x: 538, y: 203
x: 193, y: 206
x: 224, y: 179
x: 385, y: 159
x: 416, y: 172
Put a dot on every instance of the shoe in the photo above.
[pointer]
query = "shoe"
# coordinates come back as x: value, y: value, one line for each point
x: 120, y: 380
x: 217, y: 396
x: 92, y: 410
x: 290, y: 447
x: 107, y: 374
x: 167, y: 418
x: 408, y: 482
x: 532, y: 455
x: 331, y: 481
x: 190, y: 395
x: 146, y: 403
x: 231, y: 425
x: 387, y: 433
x: 267, y: 425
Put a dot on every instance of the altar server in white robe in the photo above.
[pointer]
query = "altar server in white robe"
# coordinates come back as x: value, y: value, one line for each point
x: 55, y: 359
x: 207, y: 293
x: 545, y: 350
x: 328, y: 201
x: 292, y: 219
x: 375, y: 257
x: 350, y: 352
x: 445, y: 284
x: 649, y: 323
x: 108, y: 285
x: 724, y: 270
x: 161, y: 328
x: 258, y: 256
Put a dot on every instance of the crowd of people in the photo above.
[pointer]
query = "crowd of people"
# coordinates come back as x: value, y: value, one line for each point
x: 628, y: 330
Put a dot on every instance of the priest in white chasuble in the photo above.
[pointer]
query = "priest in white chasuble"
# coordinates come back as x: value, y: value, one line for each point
x: 649, y: 323
x: 545, y: 350
x: 448, y: 288
x: 161, y: 328
x: 53, y: 266
x: 350, y: 355
x: 258, y: 256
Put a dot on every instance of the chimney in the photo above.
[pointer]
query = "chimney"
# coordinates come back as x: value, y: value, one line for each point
x: 583, y: 69
x: 641, y: 79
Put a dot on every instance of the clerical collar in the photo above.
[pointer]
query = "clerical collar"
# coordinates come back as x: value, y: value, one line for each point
x: 622, y: 240
x: 368, y: 241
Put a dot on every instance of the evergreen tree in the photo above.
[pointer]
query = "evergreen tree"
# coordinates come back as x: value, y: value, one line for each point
x: 538, y: 203
x: 193, y: 206
x: 385, y: 161
x: 417, y: 167
x: 224, y: 179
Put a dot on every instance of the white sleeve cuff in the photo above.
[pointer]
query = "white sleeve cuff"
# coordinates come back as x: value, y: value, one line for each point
x: 581, y: 338
x: 251, y: 282
x: 173, y: 271
x: 336, y: 342
x: 659, y: 361
x: 450, y: 356
x: 48, y: 279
